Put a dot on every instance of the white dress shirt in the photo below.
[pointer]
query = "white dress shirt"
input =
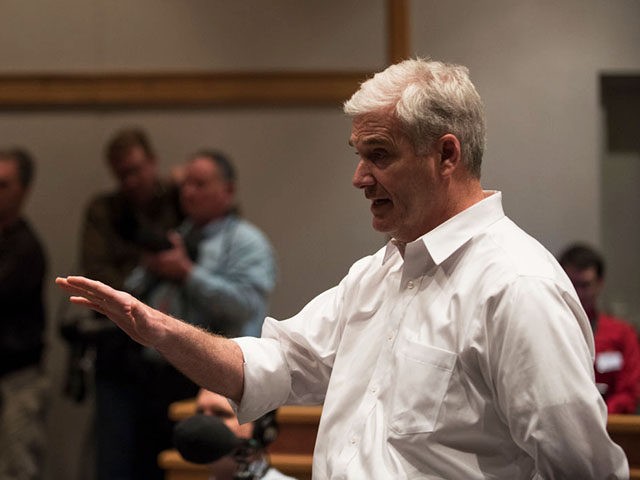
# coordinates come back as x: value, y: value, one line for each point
x: 468, y: 357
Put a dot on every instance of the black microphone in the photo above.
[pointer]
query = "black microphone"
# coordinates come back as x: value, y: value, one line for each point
x: 204, y: 439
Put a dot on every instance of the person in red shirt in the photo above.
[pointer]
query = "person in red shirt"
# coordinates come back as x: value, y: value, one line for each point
x: 617, y: 363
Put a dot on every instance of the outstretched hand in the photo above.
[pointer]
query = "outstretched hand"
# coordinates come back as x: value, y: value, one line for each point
x: 209, y: 360
x: 141, y: 322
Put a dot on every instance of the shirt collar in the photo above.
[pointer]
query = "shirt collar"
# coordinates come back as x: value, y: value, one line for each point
x: 446, y: 238
x: 212, y: 228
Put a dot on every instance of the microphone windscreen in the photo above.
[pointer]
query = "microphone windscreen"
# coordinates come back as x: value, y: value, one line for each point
x: 204, y: 439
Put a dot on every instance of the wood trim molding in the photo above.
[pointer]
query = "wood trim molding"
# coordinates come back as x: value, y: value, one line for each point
x: 111, y: 90
x: 623, y: 423
x: 398, y: 31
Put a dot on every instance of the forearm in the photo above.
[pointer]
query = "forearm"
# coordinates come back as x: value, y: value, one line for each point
x: 211, y: 361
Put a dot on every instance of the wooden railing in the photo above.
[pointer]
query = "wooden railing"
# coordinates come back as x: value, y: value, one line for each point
x: 292, y: 451
x: 625, y: 431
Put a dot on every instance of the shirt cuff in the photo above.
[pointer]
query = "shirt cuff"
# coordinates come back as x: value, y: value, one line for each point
x: 267, y: 382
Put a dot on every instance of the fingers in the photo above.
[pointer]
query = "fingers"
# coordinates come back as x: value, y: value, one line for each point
x: 89, y: 293
x: 70, y: 283
x: 76, y: 290
x: 86, y: 287
x: 86, y: 303
x: 120, y: 307
x: 88, y: 284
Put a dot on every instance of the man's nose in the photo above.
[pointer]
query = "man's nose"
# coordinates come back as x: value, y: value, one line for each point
x: 362, y: 177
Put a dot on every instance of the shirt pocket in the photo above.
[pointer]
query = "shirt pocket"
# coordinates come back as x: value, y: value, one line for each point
x: 422, y: 377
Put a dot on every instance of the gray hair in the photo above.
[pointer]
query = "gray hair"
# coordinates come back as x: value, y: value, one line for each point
x: 430, y: 99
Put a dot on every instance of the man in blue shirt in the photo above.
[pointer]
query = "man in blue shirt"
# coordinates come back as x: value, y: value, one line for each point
x: 216, y: 272
x: 220, y: 268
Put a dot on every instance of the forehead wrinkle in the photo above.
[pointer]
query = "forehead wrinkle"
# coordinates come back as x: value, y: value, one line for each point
x: 376, y: 130
x: 368, y: 140
x: 374, y: 140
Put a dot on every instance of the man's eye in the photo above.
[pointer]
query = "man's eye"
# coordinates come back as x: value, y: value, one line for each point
x: 378, y: 157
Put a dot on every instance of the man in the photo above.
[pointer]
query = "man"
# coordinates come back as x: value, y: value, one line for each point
x: 617, y: 364
x: 457, y: 351
x: 210, y: 403
x: 220, y: 270
x: 23, y: 385
x: 119, y: 226
x: 217, y: 274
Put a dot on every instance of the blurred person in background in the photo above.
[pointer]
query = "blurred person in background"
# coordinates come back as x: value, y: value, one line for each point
x: 23, y: 384
x: 617, y: 361
x: 220, y: 268
x: 119, y: 226
x: 217, y: 274
x: 213, y: 404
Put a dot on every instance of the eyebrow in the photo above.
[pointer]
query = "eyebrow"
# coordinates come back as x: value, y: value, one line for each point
x: 372, y: 140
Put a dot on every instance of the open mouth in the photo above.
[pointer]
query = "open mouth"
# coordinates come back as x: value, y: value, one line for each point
x: 380, y: 205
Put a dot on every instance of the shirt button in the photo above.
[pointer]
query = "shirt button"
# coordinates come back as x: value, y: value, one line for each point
x: 353, y: 440
x: 374, y: 389
x: 390, y: 336
x: 410, y: 285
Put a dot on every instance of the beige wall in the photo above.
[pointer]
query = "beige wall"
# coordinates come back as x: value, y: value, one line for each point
x: 538, y: 67
x: 535, y: 63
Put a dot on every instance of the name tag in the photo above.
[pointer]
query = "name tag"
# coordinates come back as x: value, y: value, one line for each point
x: 609, y: 362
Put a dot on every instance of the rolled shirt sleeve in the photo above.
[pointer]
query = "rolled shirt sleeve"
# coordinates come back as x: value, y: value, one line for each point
x: 263, y: 358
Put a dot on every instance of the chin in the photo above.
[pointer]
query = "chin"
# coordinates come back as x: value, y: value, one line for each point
x: 382, y: 227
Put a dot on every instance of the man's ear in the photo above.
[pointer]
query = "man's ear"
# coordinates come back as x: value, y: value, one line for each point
x: 599, y: 286
x: 450, y: 153
x: 231, y: 188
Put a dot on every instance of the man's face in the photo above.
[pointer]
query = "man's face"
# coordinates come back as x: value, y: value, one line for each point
x: 587, y: 285
x: 401, y: 185
x: 136, y: 173
x: 211, y: 403
x: 12, y: 192
x: 205, y: 194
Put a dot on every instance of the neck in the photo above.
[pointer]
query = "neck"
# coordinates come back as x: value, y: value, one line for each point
x: 467, y: 195
x: 457, y: 197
